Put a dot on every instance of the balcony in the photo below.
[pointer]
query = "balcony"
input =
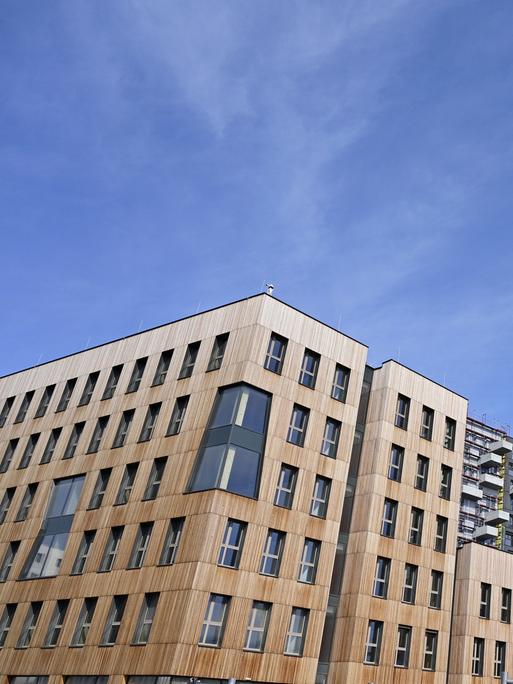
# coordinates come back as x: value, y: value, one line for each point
x: 490, y: 459
x: 485, y: 532
x: 490, y: 480
x: 501, y: 447
x: 471, y: 491
x: 497, y: 517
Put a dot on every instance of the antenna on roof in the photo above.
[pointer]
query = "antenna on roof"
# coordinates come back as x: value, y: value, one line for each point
x: 270, y: 288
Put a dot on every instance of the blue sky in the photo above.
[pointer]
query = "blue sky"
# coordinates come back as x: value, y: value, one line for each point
x: 157, y: 158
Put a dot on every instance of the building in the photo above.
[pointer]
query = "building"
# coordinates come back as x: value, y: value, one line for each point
x: 237, y: 495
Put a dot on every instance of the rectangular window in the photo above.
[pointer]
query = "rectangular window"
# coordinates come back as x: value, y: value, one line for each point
x: 24, y: 407
x: 6, y: 621
x: 296, y: 634
x: 90, y: 384
x: 426, y: 424
x: 275, y: 355
x: 6, y: 502
x: 320, y: 497
x: 257, y: 626
x: 137, y: 375
x: 178, y: 415
x: 50, y: 445
x: 298, y: 424
x: 45, y: 401
x: 215, y: 620
x: 149, y: 422
x: 112, y: 382
x: 340, y: 383
x: 478, y: 657
x: 189, y: 360
x: 485, y: 601
x: 435, y: 593
x: 231, y: 546
x: 111, y: 631
x: 441, y: 533
x: 146, y: 617
x: 284, y: 494
x: 155, y: 479
x: 450, y: 434
x: 123, y: 428
x: 416, y: 522
x: 506, y: 605
x: 127, y: 484
x: 499, y: 661
x: 402, y: 412
x: 445, y: 482
x: 395, y: 466
x: 8, y: 560
x: 26, y: 502
x: 83, y: 552
x: 29, y: 451
x: 73, y: 441
x: 373, y: 642
x: 56, y: 623
x: 100, y: 487
x: 66, y: 395
x: 96, y: 439
x: 172, y: 541
x: 309, y: 561
x: 141, y: 544
x: 389, y: 518
x: 430, y: 648
x: 218, y: 350
x: 410, y: 583
x: 30, y: 624
x: 309, y: 369
x: 111, y: 549
x: 402, y: 654
x: 421, y: 476
x: 381, y: 577
x: 84, y: 621
x: 6, y: 409
x: 162, y: 368
x: 273, y: 551
x: 330, y: 439
x: 8, y: 455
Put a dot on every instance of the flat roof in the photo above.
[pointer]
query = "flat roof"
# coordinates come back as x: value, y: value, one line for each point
x: 422, y: 376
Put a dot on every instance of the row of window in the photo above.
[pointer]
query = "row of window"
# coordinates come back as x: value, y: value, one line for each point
x: 478, y: 657
x: 395, y: 472
x: 485, y: 603
x: 409, y: 588
x: 389, y: 519
x: 374, y: 639
x: 402, y: 416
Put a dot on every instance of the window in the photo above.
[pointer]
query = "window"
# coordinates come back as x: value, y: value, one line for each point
x: 445, y: 482
x: 273, y: 551
x: 430, y: 648
x: 24, y: 407
x: 6, y: 409
x: 426, y: 423
x: 275, y: 355
x: 499, y: 661
x: 257, y: 626
x: 402, y: 412
x: 233, y: 444
x: 26, y: 502
x: 485, y: 601
x: 50, y: 445
x: 137, y: 375
x: 172, y: 541
x: 435, y: 593
x: 84, y: 621
x: 410, y: 583
x: 218, y: 350
x: 320, y: 497
x: 6, y: 502
x: 74, y: 438
x: 155, y: 479
x: 389, y: 518
x: 421, y: 476
x: 395, y: 466
x: 6, y: 621
x: 114, y: 618
x: 141, y: 544
x: 450, y: 434
x: 340, y: 383
x: 146, y: 617
x: 478, y: 657
x: 309, y: 561
x: 191, y: 354
x: 178, y: 415
x: 296, y: 634
x: 505, y: 605
x: 123, y: 428
x: 100, y: 488
x: 441, y: 533
x: 66, y: 395
x: 373, y: 643
x: 8, y: 560
x: 215, y: 620
x: 29, y: 625
x: 309, y: 369
x: 8, y: 455
x: 83, y: 552
x: 149, y: 422
x: 381, y: 577
x: 298, y: 425
x: 231, y: 546
x: 56, y: 623
x: 111, y: 549
x: 87, y: 394
x: 284, y: 494
x: 416, y: 521
x: 29, y: 451
x: 96, y: 439
x: 402, y: 654
x: 112, y: 382
x: 45, y: 401
x: 331, y: 436
x: 127, y: 484
x: 162, y: 368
